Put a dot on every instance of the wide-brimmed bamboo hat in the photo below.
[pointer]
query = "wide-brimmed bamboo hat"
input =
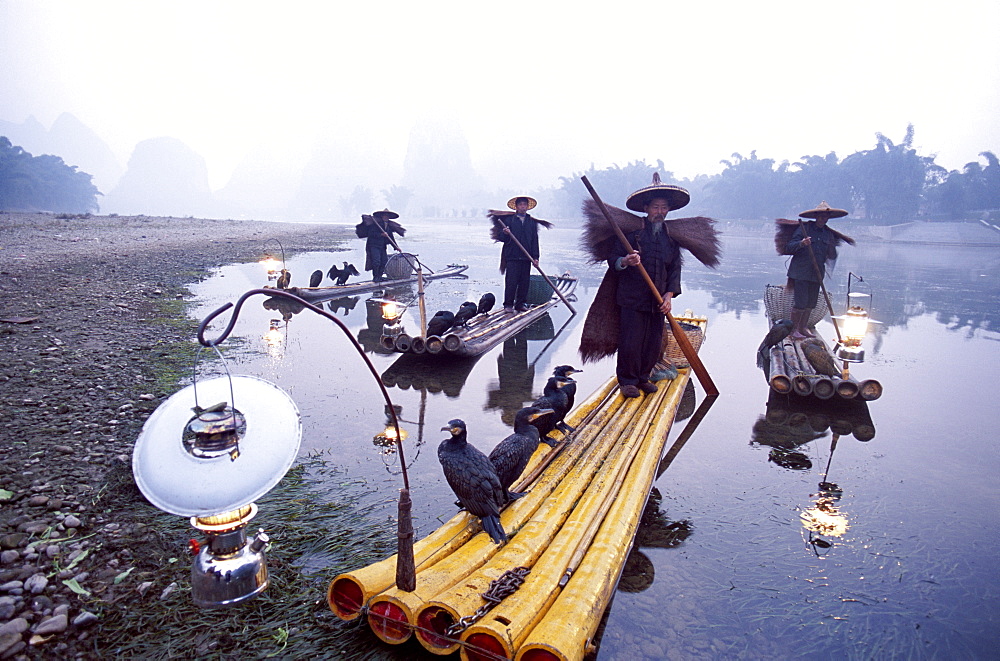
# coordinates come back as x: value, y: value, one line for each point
x: 391, y: 215
x: 824, y: 209
x: 532, y: 202
x: 675, y: 196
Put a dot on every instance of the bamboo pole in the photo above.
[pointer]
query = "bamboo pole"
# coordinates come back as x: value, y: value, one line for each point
x: 679, y: 334
x: 819, y: 274
x: 778, y: 375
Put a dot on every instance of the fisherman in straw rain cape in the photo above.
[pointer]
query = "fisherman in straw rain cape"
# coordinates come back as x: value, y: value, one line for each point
x: 624, y: 316
x: 514, y: 264
x: 795, y: 238
x: 377, y: 228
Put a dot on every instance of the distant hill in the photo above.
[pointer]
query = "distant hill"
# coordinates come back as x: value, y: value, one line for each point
x: 72, y: 141
x: 164, y: 177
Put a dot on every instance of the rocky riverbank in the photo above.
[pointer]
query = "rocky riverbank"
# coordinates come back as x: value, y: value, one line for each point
x: 94, y: 336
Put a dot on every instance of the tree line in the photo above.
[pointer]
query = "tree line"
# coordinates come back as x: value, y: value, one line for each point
x: 887, y: 184
x: 43, y: 183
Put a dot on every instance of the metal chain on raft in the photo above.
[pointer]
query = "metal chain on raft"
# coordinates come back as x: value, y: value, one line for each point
x: 499, y: 589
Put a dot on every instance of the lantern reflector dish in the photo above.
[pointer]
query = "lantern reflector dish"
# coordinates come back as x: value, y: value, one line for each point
x: 186, y: 483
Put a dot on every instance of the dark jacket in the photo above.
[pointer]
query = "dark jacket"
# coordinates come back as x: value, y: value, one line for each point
x: 526, y: 232
x: 801, y: 265
x: 374, y: 236
x: 661, y: 257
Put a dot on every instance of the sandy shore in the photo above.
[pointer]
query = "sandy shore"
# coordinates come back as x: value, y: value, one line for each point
x: 94, y: 337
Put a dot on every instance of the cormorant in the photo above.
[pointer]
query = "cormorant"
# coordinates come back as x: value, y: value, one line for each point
x: 778, y: 332
x: 819, y: 357
x: 340, y: 276
x: 284, y: 279
x: 316, y: 278
x: 440, y: 323
x: 465, y: 312
x: 553, y: 397
x: 486, y: 303
x: 473, y: 479
x: 565, y: 373
x: 511, y: 455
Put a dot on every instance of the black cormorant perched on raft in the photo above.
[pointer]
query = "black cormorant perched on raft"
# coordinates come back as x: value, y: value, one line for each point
x: 340, y: 276
x: 440, y: 322
x: 473, y: 479
x: 565, y: 373
x: 553, y: 397
x: 466, y: 311
x: 511, y: 455
x: 316, y: 278
x: 486, y: 303
x: 779, y: 331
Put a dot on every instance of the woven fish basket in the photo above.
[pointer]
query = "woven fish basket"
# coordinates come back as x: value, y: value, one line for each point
x: 672, y: 351
x: 399, y: 265
x: 778, y: 305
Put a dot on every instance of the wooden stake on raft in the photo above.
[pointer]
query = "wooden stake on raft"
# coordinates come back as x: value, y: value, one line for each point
x: 534, y: 262
x: 682, y: 339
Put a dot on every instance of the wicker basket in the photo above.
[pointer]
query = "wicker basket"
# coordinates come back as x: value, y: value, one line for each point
x: 399, y: 265
x: 778, y: 305
x: 672, y: 350
x: 539, y: 291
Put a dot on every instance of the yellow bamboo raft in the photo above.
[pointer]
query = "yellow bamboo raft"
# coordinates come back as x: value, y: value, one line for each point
x: 573, y: 531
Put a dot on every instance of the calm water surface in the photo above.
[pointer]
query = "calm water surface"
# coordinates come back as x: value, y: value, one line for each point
x: 724, y: 565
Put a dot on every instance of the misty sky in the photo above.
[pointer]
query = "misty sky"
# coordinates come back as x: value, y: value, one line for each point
x: 541, y: 89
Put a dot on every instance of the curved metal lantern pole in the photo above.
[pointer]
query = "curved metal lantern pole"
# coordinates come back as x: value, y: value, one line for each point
x: 534, y: 262
x: 682, y: 339
x: 406, y: 576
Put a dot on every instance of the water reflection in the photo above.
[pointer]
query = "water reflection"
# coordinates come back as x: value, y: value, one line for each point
x: 342, y: 306
x: 824, y: 519
x: 515, y: 375
x: 655, y: 531
x: 429, y: 373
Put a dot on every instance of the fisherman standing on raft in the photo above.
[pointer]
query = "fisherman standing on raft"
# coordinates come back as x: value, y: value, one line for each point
x: 514, y: 263
x: 805, y: 270
x: 625, y: 316
x: 378, y: 228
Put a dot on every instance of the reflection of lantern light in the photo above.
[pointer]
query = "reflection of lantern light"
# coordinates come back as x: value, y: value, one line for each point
x: 387, y: 437
x: 274, y: 337
x: 824, y: 518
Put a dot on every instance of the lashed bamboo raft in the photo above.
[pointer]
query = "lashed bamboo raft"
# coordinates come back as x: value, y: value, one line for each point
x: 573, y: 530
x: 483, y: 332
x: 790, y: 371
x: 312, y: 294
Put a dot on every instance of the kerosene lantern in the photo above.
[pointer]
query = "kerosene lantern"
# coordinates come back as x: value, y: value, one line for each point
x: 853, y: 324
x: 210, y: 463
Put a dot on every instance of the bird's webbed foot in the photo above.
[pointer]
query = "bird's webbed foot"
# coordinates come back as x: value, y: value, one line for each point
x: 564, y: 428
x: 550, y: 441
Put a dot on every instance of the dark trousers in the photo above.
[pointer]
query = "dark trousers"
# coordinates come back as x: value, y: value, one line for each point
x: 517, y: 280
x: 805, y: 294
x: 640, y: 335
x: 377, y: 257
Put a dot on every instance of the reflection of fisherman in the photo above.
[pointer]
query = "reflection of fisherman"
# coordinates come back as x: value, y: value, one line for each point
x: 803, y: 278
x: 516, y: 265
x: 378, y: 229
x: 625, y: 316
x: 515, y: 375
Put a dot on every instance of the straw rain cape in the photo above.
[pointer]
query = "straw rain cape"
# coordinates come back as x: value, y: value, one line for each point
x: 697, y: 235
x: 499, y: 218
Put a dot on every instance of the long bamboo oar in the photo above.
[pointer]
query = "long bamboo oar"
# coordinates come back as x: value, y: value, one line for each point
x: 682, y: 339
x: 819, y: 274
x: 534, y: 262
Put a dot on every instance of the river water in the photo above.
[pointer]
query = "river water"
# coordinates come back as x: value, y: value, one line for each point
x: 733, y: 559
